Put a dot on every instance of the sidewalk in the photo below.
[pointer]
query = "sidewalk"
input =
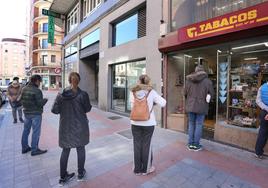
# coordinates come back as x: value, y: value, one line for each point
x: 109, y: 158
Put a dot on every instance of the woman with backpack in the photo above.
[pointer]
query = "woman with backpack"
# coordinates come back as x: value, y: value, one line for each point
x: 143, y: 122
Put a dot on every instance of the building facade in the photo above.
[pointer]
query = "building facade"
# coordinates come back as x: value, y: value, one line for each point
x: 229, y: 38
x: 45, y: 58
x: 12, y: 60
x: 111, y: 43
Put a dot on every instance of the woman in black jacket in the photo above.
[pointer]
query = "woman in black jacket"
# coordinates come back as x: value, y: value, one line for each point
x: 72, y: 105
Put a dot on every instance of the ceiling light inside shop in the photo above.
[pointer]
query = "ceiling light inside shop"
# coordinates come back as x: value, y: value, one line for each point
x: 188, y: 56
x: 255, y: 51
x: 251, y: 45
x: 250, y: 58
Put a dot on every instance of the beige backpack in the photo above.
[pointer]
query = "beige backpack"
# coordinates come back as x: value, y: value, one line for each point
x: 140, y: 110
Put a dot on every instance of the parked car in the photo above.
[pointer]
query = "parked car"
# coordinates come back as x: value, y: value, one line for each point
x: 3, y: 96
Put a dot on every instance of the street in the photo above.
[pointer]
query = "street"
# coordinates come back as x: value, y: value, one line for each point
x: 110, y: 156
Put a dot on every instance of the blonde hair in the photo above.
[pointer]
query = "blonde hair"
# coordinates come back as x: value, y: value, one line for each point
x: 145, y: 79
x: 73, y: 74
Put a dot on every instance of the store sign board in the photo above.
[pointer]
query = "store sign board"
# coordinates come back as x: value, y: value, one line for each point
x: 247, y: 18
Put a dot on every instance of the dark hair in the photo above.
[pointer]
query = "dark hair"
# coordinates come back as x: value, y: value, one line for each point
x: 144, y: 79
x: 35, y: 78
x: 73, y: 74
x: 16, y: 78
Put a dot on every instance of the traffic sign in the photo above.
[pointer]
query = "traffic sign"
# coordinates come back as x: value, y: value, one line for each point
x: 51, y: 13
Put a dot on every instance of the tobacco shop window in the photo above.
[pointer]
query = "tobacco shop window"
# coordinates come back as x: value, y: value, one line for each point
x: 130, y: 28
x: 242, y: 70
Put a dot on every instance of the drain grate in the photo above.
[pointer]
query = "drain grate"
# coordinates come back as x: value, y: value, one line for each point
x: 126, y: 133
x: 114, y: 117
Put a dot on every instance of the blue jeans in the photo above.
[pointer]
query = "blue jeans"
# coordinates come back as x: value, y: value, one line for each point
x: 195, y: 127
x: 34, y: 122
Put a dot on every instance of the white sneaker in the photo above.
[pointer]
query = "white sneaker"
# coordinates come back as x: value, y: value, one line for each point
x: 151, y: 170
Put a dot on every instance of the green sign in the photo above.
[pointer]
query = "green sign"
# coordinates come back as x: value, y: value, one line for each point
x: 51, y: 29
x: 50, y: 13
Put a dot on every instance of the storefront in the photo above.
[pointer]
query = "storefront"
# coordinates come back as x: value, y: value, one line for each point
x: 233, y: 48
x: 124, y: 77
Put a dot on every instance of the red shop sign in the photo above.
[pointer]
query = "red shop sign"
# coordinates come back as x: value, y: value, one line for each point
x: 247, y: 18
x: 57, y: 70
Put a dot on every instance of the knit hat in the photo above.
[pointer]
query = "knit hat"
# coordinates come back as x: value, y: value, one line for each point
x: 199, y: 68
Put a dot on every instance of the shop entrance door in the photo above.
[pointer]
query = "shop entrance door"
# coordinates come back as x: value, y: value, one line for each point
x: 208, y: 59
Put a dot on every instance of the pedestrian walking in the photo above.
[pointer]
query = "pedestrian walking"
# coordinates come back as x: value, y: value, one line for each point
x: 33, y: 102
x: 143, y: 122
x: 72, y: 104
x: 198, y: 92
x: 262, y: 101
x: 14, y: 96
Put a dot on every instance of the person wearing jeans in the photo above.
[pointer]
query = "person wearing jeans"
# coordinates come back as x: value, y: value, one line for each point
x: 198, y: 91
x: 142, y: 131
x: 72, y: 104
x: 195, y: 128
x: 33, y: 102
x: 14, y: 95
x: 262, y: 101
x: 34, y: 122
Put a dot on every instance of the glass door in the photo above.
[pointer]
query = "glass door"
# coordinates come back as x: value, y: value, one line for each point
x: 119, y: 87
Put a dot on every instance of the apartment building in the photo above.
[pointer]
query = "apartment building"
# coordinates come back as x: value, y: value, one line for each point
x: 12, y: 60
x: 111, y: 43
x: 45, y: 59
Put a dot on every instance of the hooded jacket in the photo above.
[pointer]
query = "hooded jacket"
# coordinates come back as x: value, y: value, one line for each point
x: 196, y: 89
x: 141, y: 91
x: 72, y: 107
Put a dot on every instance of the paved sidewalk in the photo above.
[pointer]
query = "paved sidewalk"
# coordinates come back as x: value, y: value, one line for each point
x: 109, y: 158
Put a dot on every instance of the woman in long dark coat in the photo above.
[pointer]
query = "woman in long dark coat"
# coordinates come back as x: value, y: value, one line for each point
x: 72, y: 105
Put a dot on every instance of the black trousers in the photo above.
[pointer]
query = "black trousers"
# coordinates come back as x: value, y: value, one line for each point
x: 263, y: 134
x: 81, y: 157
x: 142, y: 136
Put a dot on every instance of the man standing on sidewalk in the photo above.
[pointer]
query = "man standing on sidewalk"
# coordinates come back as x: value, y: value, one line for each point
x: 32, y: 102
x: 198, y: 91
x: 14, y: 95
x: 262, y: 101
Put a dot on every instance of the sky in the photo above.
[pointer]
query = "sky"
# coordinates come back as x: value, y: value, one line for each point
x: 13, y: 18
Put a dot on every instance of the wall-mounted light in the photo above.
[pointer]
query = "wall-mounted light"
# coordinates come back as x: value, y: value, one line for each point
x: 250, y: 58
x: 251, y: 45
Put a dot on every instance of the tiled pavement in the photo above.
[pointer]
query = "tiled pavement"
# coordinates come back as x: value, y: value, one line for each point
x: 109, y: 158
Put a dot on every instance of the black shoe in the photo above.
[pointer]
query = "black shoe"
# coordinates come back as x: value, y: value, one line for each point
x: 38, y: 152
x: 21, y: 120
x: 67, y: 178
x: 26, y: 150
x: 80, y: 177
x: 15, y: 121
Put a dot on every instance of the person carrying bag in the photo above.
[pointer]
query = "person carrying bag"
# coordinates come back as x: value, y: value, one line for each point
x: 143, y: 122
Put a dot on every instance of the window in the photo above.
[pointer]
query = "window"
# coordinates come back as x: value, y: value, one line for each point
x: 53, y: 58
x: 71, y: 49
x: 124, y: 76
x: 72, y: 19
x: 45, y: 27
x: 44, y: 44
x: 130, y: 28
x: 90, y: 38
x: 184, y: 13
x: 44, y: 59
x: 89, y: 6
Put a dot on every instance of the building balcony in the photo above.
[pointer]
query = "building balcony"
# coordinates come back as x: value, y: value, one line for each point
x: 38, y: 3
x: 42, y: 31
x: 38, y: 17
x: 46, y: 48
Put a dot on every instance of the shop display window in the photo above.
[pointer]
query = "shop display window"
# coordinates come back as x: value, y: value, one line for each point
x: 236, y: 69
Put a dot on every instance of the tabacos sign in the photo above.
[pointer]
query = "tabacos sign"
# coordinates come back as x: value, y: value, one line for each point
x: 244, y: 19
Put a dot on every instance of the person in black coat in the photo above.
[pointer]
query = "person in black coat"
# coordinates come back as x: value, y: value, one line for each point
x: 72, y: 104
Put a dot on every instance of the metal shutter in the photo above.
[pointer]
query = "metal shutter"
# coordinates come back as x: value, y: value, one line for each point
x: 142, y: 22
